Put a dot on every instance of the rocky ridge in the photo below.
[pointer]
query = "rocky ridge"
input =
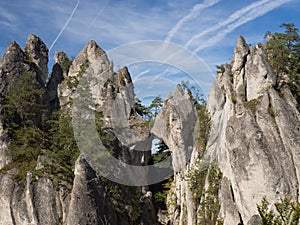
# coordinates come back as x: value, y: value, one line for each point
x: 39, y: 199
x: 253, y: 140
x: 254, y: 135
x: 251, y: 150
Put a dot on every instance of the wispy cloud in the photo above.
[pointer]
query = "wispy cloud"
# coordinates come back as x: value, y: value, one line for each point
x: 233, y: 17
x: 65, y: 25
x: 7, y: 19
x: 194, y: 12
x: 250, y: 15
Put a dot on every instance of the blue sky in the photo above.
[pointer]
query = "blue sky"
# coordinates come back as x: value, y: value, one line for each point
x: 206, y: 28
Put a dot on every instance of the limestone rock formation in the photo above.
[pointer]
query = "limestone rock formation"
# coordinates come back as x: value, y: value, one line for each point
x: 176, y: 124
x: 254, y: 135
x: 89, y: 203
x: 34, y: 202
x: 14, y: 64
x: 40, y: 199
x: 37, y: 52
x: 253, y: 141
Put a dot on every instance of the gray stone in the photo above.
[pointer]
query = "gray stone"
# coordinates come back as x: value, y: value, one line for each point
x: 37, y: 52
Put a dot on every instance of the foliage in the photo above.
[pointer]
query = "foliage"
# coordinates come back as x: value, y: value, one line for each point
x: 106, y: 137
x: 206, y: 197
x: 162, y: 152
x: 283, y: 52
x: 22, y: 113
x: 197, y: 178
x: 141, y: 109
x: 61, y: 136
x: 155, y: 106
x: 22, y: 106
x: 73, y: 81
x: 287, y: 212
x: 252, y: 104
x: 210, y: 206
x: 66, y: 63
x: 161, y: 196
x: 148, y: 112
x: 121, y: 196
x: 220, y: 68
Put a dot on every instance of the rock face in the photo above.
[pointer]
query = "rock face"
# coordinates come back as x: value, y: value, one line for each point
x: 176, y: 124
x: 13, y: 65
x: 253, y: 140
x: 56, y: 78
x: 89, y: 204
x: 40, y: 199
x: 37, y: 52
x: 254, y: 135
x: 25, y: 204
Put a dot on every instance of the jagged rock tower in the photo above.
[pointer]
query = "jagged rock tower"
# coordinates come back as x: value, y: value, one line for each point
x: 252, y: 150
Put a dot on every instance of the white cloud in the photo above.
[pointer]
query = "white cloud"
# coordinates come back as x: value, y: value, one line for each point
x: 7, y: 19
x: 65, y: 25
x: 194, y: 12
x: 244, y: 18
x: 233, y: 17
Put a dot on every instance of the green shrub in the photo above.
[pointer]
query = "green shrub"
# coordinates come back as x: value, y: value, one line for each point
x: 287, y: 212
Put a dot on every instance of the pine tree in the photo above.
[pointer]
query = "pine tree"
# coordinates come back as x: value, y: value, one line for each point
x: 22, y: 112
x: 283, y: 52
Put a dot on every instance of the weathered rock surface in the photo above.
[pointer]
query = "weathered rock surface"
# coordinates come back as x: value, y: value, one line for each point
x: 37, y: 52
x: 13, y: 65
x: 254, y: 136
x: 40, y: 199
x: 254, y: 140
x: 176, y: 124
x: 37, y: 201
x: 112, y: 94
x: 89, y: 203
x: 57, y: 76
x: 4, y: 142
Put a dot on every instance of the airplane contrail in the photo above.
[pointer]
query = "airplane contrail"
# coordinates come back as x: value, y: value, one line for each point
x: 233, y: 17
x: 99, y: 12
x: 65, y: 25
x: 192, y: 14
x: 250, y: 15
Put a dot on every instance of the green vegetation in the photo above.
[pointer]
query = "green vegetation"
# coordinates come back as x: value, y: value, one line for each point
x: 162, y: 152
x: 66, y: 63
x: 140, y: 109
x: 161, y: 196
x: 197, y: 179
x: 220, y: 68
x: 23, y: 114
x: 33, y: 132
x: 210, y: 206
x: 148, y: 113
x: 252, y: 104
x: 206, y: 197
x: 62, y: 144
x: 287, y: 212
x: 283, y: 53
x: 155, y: 106
x: 73, y: 81
x: 121, y: 196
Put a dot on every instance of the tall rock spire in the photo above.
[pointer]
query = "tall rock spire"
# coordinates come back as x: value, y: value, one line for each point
x: 37, y: 51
